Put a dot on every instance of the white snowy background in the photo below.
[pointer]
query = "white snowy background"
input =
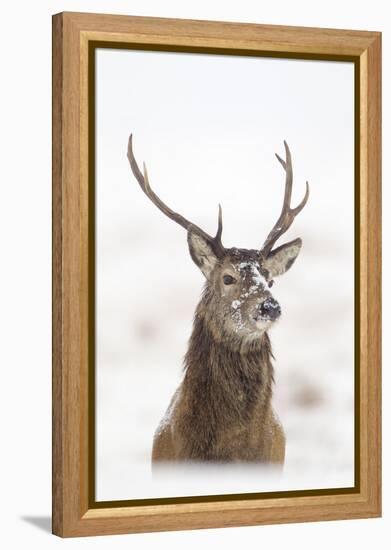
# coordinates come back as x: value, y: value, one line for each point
x: 208, y: 128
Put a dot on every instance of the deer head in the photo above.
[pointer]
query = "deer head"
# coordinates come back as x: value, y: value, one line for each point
x: 238, y: 298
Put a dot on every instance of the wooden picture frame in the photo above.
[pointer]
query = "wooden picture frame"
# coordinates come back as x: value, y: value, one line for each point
x: 75, y: 512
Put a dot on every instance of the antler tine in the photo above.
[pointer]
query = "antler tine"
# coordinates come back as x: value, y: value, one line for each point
x: 289, y: 175
x: 143, y: 181
x: 288, y: 214
x: 219, y: 225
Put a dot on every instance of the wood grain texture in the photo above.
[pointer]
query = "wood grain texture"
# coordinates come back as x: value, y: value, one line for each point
x: 372, y: 262
x: 57, y: 402
x: 73, y: 515
x: 222, y: 34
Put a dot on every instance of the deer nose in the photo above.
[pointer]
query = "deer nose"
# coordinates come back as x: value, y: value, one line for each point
x: 270, y: 309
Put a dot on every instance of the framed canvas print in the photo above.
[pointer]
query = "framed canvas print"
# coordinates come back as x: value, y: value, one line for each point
x: 216, y: 274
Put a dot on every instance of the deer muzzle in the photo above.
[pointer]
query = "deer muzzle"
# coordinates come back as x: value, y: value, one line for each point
x: 268, y: 310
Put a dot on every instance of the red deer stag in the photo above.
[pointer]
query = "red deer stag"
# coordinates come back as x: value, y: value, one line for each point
x: 222, y: 410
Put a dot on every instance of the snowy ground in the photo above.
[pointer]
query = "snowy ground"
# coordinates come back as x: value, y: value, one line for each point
x: 201, y: 149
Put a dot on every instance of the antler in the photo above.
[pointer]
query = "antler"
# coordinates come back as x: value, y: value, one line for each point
x: 288, y: 214
x: 142, y: 179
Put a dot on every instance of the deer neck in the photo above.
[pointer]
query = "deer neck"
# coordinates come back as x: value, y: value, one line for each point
x: 226, y: 380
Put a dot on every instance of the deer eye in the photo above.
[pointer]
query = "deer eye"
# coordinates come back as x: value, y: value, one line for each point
x: 228, y: 280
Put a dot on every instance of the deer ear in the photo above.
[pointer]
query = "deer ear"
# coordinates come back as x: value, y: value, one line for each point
x: 201, y: 253
x: 282, y: 258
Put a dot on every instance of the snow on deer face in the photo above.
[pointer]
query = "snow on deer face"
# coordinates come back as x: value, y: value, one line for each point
x: 239, y: 286
x: 245, y: 292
